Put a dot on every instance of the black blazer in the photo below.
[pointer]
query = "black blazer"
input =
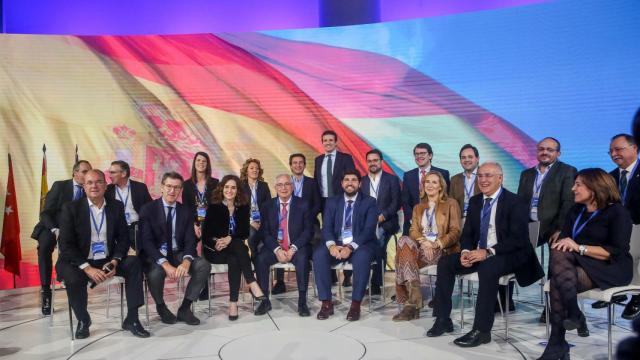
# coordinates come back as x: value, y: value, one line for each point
x: 189, y: 193
x: 556, y: 197
x: 312, y: 197
x: 263, y: 193
x: 388, y: 200
x: 411, y: 193
x: 153, y: 230
x: 139, y: 194
x: 60, y: 193
x: 512, y: 231
x: 216, y: 224
x: 342, y: 162
x: 75, y: 231
x: 632, y: 202
x: 300, y: 229
x: 364, y: 219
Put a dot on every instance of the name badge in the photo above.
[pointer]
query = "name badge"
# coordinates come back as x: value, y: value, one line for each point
x: 127, y: 216
x: 379, y: 232
x: 347, y: 236
x: 202, y: 212
x: 280, y: 235
x: 99, y: 250
x: 431, y: 236
x: 163, y: 249
x: 534, y: 202
x: 255, y: 215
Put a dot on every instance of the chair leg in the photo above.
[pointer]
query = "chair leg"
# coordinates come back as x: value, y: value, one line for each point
x: 613, y: 313
x: 609, y: 323
x: 146, y: 301
x: 502, y: 310
x: 121, y: 304
x: 461, y: 285
x: 370, y: 298
x: 53, y: 300
x: 108, y: 300
x: 506, y: 313
x: 546, y: 313
x: 271, y: 271
x: 73, y: 336
x: 209, y: 295
x: 384, y: 266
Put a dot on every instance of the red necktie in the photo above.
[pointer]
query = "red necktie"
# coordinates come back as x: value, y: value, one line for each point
x: 423, y: 172
x: 284, y: 227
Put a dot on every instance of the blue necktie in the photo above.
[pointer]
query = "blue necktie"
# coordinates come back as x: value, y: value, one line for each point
x: 78, y: 192
x: 329, y: 176
x: 485, y: 218
x: 169, y: 226
x: 348, y: 214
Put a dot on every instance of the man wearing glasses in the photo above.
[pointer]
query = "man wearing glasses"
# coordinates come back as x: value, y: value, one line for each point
x: 422, y: 154
x: 287, y: 231
x: 169, y: 245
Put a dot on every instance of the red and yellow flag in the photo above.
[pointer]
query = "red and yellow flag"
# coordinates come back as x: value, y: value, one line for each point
x: 10, y: 245
x: 44, y: 185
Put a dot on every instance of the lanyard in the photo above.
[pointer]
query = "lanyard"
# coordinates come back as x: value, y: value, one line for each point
x: 126, y: 200
x: 468, y: 190
x: 297, y: 186
x: 430, y: 218
x: 95, y: 224
x: 577, y: 229
x: 200, y: 195
x: 254, y: 200
x: 633, y: 171
x: 232, y: 224
x: 372, y: 189
x: 537, y: 184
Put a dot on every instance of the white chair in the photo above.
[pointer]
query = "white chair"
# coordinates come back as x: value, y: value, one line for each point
x: 606, y: 295
x: 341, y: 267
x: 215, y: 269
x: 289, y: 267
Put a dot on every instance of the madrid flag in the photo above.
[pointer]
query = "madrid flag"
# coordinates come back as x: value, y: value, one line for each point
x: 10, y: 246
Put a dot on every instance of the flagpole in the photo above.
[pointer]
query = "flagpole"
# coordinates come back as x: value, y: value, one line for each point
x: 14, y: 281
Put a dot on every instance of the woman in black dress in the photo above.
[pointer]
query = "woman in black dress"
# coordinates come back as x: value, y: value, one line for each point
x: 258, y: 192
x: 224, y: 230
x: 592, y: 252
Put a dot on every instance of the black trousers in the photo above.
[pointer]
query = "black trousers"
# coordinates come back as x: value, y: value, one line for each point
x: 46, y: 245
x: 199, y: 272
x: 300, y: 260
x: 236, y: 256
x: 489, y: 271
x: 76, y: 282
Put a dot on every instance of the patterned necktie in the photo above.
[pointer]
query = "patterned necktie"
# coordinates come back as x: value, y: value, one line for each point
x: 623, y: 182
x: 284, y: 227
x: 485, y: 218
x: 169, y: 227
x: 348, y: 214
x: 329, y: 176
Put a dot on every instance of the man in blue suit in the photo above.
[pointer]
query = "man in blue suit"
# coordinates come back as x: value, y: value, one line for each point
x: 422, y: 154
x: 169, y: 246
x: 348, y: 234
x: 330, y: 166
x: 385, y: 188
x: 286, y: 230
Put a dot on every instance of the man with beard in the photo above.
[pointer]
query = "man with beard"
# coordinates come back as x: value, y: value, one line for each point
x: 464, y: 185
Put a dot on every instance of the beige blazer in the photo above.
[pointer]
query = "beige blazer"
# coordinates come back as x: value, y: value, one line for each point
x: 448, y: 221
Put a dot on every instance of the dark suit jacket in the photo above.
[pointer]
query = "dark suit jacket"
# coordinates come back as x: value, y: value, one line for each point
x: 364, y: 219
x: 512, y: 231
x: 153, y: 230
x: 341, y: 163
x: 263, y: 193
x: 456, y: 190
x: 60, y: 193
x: 632, y: 202
x: 411, y: 193
x: 556, y: 197
x: 216, y: 223
x: 299, y: 228
x: 189, y: 193
x: 75, y: 231
x: 388, y: 200
x: 139, y: 194
x: 312, y: 197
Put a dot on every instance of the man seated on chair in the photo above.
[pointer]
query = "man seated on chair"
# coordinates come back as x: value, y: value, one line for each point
x: 94, y: 241
x: 348, y: 233
x: 286, y: 233
x: 494, y: 242
x: 169, y: 246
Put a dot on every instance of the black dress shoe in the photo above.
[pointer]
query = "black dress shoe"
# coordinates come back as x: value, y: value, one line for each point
x: 82, y: 331
x: 279, y: 288
x: 431, y: 304
x: 618, y: 299
x: 632, y: 310
x: 512, y: 307
x: 136, y: 328
x: 264, y: 307
x: 579, y: 323
x: 440, y: 327
x: 166, y: 316
x: 583, y: 329
x: 46, y: 302
x: 186, y: 315
x: 303, y: 310
x: 325, y: 311
x: 473, y: 338
x: 543, y: 317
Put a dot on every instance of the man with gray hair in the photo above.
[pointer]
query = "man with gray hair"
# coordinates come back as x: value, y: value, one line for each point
x: 286, y: 230
x: 494, y: 242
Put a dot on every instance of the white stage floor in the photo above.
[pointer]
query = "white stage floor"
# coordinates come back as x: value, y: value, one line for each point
x: 25, y: 334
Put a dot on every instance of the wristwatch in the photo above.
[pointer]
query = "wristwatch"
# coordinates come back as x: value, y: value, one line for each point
x: 582, y: 249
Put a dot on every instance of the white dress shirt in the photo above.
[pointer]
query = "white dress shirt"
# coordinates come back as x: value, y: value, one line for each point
x: 125, y: 197
x: 325, y: 181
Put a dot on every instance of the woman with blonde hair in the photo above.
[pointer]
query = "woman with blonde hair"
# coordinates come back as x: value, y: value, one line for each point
x: 254, y: 185
x: 435, y: 231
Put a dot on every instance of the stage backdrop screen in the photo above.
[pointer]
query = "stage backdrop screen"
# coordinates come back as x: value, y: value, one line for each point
x: 500, y: 80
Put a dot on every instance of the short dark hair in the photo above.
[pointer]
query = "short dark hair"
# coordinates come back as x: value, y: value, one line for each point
x: 423, y: 146
x: 374, y: 151
x: 552, y: 139
x: 602, y: 185
x: 124, y: 166
x: 329, y: 132
x: 630, y: 139
x: 171, y: 175
x: 76, y: 166
x: 304, y: 158
x: 351, y: 172
x: 469, y: 146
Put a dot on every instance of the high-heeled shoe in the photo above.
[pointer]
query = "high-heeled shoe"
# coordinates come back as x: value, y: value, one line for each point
x: 233, y: 317
x: 556, y: 353
x: 572, y: 324
x: 564, y: 356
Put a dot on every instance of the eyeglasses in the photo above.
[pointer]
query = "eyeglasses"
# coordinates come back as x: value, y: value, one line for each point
x: 114, y: 171
x: 616, y: 150
x: 421, y: 153
x: 486, y: 176
x: 281, y: 185
x: 173, y: 187
x: 548, y: 149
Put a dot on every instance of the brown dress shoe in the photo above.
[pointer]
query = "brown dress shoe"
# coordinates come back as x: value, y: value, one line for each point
x: 409, y: 312
x: 326, y: 310
x: 354, y: 312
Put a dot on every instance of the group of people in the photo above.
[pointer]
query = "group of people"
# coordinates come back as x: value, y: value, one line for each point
x: 463, y: 224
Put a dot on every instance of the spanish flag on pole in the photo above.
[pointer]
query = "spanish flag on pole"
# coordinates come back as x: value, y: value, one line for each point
x: 10, y: 245
x: 44, y: 185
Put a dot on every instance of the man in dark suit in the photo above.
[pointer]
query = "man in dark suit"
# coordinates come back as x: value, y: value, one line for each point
x: 286, y: 232
x: 465, y: 184
x: 169, y: 245
x: 546, y: 187
x: 46, y: 230
x: 423, y: 154
x: 348, y: 234
x: 94, y: 241
x: 131, y: 193
x: 494, y: 242
x: 330, y: 166
x: 624, y: 153
x: 385, y: 188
